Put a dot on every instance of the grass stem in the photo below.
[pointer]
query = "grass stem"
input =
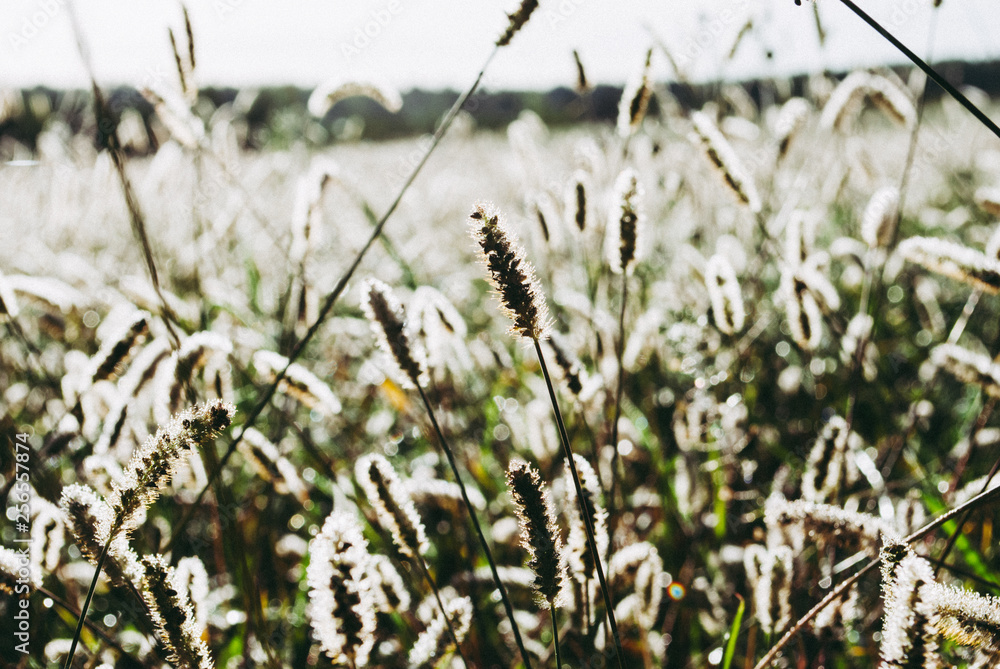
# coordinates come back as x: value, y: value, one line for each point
x: 582, y: 501
x: 479, y: 530
x: 444, y: 612
x: 86, y: 603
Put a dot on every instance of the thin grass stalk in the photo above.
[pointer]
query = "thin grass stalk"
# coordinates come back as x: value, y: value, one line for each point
x: 86, y: 603
x: 444, y: 612
x: 332, y: 297
x: 835, y: 594
x: 118, y: 159
x: 508, y: 607
x: 582, y: 501
x: 555, y: 635
x: 927, y: 69
x: 619, y: 349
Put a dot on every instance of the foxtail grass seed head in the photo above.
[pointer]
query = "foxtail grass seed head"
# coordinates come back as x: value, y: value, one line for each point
x: 393, y: 507
x: 773, y: 592
x: 892, y: 99
x: 388, y: 322
x: 441, y: 329
x: 857, y: 334
x: 191, y: 580
x: 953, y: 260
x: 512, y: 276
x: 831, y: 465
x: 271, y: 466
x: 791, y: 119
x: 844, y: 104
x: 155, y: 462
x: 341, y: 606
x: 389, y: 591
x: 625, y: 227
x: 878, y: 224
x: 800, y: 237
x: 805, y: 320
x: 299, y: 383
x: 721, y: 154
x: 968, y: 367
x: 89, y: 520
x: 581, y: 559
x: 724, y: 293
x: 192, y: 356
x: 48, y: 535
x: 435, y: 641
x: 517, y: 21
x: 118, y: 350
x: 966, y: 617
x: 582, y: 85
x: 173, y: 616
x: 792, y: 523
x: 638, y: 567
x: 329, y: 93
x: 909, y: 637
x: 576, y: 198
x: 635, y: 99
x: 539, y: 535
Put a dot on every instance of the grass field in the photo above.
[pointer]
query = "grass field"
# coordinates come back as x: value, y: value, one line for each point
x: 799, y: 357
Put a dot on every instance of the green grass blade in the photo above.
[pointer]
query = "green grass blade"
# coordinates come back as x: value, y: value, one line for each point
x: 734, y: 633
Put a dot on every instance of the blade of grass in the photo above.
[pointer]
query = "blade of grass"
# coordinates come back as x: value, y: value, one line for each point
x: 734, y: 633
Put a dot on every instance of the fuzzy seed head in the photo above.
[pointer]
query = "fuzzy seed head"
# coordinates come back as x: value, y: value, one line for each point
x: 538, y: 531
x: 635, y: 100
x: 721, y: 154
x: 388, y: 321
x: 625, y: 227
x: 953, y: 260
x: 157, y: 460
x: 392, y: 504
x: 512, y: 276
x: 173, y: 616
x: 517, y: 21
x: 341, y: 605
x: 968, y: 366
x: 724, y: 293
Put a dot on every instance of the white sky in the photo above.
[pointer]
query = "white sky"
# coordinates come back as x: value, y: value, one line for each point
x: 442, y: 43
